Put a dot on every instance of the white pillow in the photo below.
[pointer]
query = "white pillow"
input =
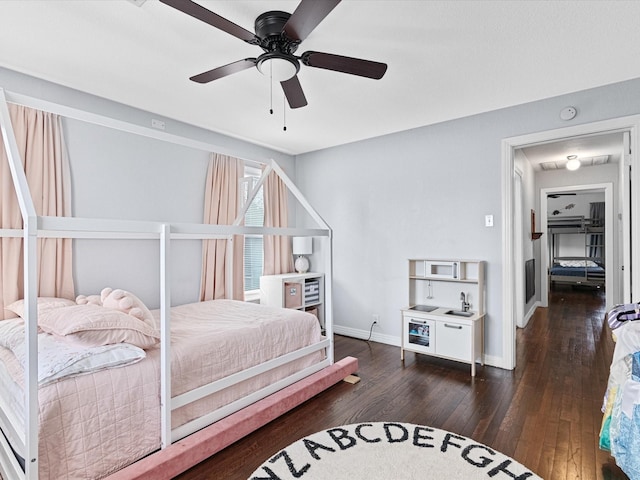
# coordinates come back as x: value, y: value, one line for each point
x: 92, y: 325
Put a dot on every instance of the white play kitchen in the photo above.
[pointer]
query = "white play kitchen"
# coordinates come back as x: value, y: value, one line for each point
x: 445, y: 316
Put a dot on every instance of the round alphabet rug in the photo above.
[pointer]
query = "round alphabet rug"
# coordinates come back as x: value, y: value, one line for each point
x: 389, y: 451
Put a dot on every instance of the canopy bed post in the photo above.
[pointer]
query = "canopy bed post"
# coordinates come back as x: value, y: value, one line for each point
x: 328, y: 291
x: 328, y: 244
x: 229, y: 287
x: 165, y: 329
x: 31, y: 332
x: 30, y: 231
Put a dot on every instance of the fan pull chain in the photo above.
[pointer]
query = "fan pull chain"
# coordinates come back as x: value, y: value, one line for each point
x: 284, y: 113
x: 271, y: 88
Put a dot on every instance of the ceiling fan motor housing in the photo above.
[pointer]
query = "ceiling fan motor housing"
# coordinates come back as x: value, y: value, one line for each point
x: 270, y: 30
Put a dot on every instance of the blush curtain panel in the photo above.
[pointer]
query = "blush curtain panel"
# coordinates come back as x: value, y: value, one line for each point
x: 277, y: 249
x: 41, y: 145
x: 222, y: 204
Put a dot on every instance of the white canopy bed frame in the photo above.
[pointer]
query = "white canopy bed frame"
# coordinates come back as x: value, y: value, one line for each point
x: 165, y: 234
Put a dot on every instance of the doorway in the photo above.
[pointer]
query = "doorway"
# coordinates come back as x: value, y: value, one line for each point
x: 583, y: 246
x: 628, y: 243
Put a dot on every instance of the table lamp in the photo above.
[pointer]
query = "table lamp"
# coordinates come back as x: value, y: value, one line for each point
x: 302, y: 246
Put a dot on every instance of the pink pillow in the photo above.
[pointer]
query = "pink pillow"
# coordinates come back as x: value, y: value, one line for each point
x: 44, y: 305
x: 128, y: 303
x: 92, y: 325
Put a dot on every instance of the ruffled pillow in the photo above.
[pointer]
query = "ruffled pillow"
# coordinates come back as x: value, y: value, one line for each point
x: 92, y: 325
x: 127, y: 303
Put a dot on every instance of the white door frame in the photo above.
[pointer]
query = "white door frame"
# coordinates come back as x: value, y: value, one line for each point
x: 518, y: 256
x: 509, y: 145
x: 608, y: 242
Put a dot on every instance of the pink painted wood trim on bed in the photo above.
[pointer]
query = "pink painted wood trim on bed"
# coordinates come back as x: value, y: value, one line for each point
x: 182, y: 455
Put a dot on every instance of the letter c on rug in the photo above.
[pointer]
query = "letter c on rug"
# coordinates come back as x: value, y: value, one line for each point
x: 362, y: 437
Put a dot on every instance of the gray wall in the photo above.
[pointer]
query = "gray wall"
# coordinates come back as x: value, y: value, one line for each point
x: 424, y: 193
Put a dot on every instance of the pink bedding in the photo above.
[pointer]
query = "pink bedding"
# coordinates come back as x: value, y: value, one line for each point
x: 93, y: 425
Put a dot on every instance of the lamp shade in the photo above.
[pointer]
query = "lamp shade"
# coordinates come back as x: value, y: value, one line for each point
x: 280, y: 69
x: 302, y: 245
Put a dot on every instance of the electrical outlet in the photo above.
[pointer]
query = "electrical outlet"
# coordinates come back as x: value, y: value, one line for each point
x: 376, y: 319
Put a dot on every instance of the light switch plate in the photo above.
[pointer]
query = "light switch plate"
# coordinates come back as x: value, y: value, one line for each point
x: 488, y: 220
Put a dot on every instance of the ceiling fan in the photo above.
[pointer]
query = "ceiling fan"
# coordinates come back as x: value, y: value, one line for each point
x: 558, y: 195
x: 279, y: 35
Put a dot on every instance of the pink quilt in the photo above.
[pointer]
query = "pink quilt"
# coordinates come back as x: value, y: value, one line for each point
x: 93, y: 425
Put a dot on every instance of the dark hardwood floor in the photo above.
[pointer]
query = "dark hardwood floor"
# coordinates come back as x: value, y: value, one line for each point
x: 545, y: 413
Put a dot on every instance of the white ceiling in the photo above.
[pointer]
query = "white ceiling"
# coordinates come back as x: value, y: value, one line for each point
x: 447, y: 59
x: 591, y: 150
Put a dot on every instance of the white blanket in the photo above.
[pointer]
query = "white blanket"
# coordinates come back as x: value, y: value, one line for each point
x: 58, y: 359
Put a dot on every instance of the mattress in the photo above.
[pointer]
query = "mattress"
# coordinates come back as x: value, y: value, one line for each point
x: 576, y: 271
x: 93, y: 425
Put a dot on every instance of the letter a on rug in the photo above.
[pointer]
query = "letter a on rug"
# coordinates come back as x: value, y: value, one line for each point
x: 382, y: 451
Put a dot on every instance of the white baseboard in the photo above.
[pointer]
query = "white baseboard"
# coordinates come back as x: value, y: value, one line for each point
x: 494, y: 361
x: 364, y: 334
x: 529, y: 314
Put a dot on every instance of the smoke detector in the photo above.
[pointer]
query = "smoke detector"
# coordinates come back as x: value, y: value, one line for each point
x: 568, y: 113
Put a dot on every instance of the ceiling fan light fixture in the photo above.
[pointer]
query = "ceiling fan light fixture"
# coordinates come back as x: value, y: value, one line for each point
x: 573, y: 163
x: 278, y: 67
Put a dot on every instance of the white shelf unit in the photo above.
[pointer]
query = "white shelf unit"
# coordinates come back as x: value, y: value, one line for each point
x: 434, y: 322
x: 302, y: 291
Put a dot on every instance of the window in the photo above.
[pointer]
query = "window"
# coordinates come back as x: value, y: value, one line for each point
x: 253, y: 244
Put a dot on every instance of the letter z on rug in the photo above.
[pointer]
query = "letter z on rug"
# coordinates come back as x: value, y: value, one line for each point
x: 389, y: 450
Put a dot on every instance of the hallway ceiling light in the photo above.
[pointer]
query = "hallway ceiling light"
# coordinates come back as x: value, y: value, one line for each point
x: 572, y: 162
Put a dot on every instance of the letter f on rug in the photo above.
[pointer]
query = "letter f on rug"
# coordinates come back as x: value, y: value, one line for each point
x: 389, y: 451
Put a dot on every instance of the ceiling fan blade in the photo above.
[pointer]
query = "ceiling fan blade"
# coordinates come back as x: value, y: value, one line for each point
x: 308, y: 16
x: 293, y: 92
x: 556, y: 195
x: 338, y: 63
x: 197, y: 11
x: 223, y: 71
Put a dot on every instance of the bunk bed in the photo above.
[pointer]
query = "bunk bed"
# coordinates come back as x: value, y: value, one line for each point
x: 165, y: 401
x: 585, y: 270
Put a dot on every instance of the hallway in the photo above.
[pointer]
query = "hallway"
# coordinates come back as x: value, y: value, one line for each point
x: 563, y: 365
